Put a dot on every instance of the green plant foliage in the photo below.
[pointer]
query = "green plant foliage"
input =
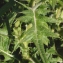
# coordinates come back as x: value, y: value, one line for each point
x: 27, y: 14
x: 31, y: 31
x: 4, y: 48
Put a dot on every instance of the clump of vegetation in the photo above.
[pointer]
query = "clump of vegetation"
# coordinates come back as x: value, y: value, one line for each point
x: 31, y: 31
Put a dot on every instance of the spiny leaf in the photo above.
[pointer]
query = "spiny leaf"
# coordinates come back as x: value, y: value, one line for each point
x: 25, y: 19
x: 28, y: 35
x: 45, y: 40
x: 47, y: 19
x: 44, y: 29
x: 39, y: 44
x: 41, y: 25
x: 38, y: 41
x: 4, y: 42
x: 11, y: 17
x: 42, y: 9
x: 27, y: 12
x: 4, y: 47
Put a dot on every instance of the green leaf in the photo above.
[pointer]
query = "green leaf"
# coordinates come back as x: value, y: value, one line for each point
x: 42, y: 9
x: 11, y: 17
x: 3, y: 31
x: 27, y: 12
x: 25, y: 19
x: 4, y: 42
x: 28, y: 35
x: 45, y: 40
x: 38, y: 39
x: 44, y: 29
x: 47, y: 19
x: 53, y: 3
x: 39, y: 44
x: 4, y: 47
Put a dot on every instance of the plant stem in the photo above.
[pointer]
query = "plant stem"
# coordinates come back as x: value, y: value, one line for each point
x: 23, y: 5
x: 41, y: 50
x: 31, y: 60
x: 36, y: 6
x: 7, y: 53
